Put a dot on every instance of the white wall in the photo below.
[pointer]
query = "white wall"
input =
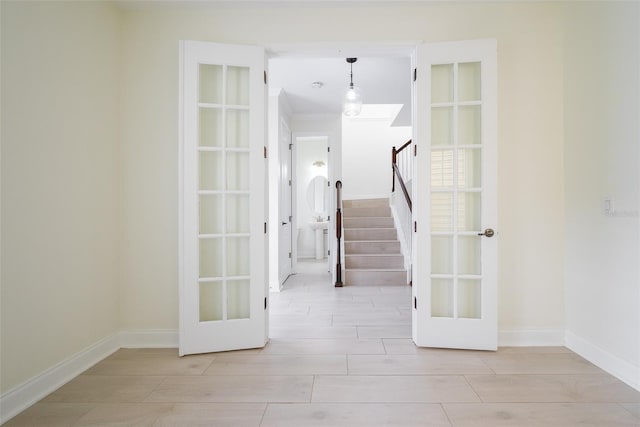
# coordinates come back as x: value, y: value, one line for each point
x: 531, y: 76
x: 60, y: 183
x: 366, y: 156
x: 602, y: 159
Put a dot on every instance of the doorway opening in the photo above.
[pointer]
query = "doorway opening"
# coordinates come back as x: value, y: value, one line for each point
x: 307, y: 85
x: 306, y: 89
x: 312, y: 198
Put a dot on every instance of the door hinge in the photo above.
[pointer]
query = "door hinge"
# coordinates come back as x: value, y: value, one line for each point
x: 289, y: 255
x: 415, y: 226
x: 290, y: 146
x: 328, y: 149
x: 328, y: 217
x: 328, y: 183
x: 415, y: 150
x: 290, y: 218
x: 329, y: 252
x: 415, y: 74
x: 265, y: 151
x: 265, y: 228
x: 415, y: 303
x: 265, y: 303
x: 289, y: 183
x: 265, y: 77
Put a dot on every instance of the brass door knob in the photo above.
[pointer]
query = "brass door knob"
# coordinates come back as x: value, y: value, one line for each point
x: 488, y: 232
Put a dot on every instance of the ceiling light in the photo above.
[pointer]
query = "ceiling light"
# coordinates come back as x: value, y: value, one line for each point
x: 317, y: 85
x: 353, y: 97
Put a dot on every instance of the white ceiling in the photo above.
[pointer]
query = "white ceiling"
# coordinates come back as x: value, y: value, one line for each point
x: 383, y: 80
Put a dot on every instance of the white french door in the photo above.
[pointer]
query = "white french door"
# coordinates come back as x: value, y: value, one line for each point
x: 454, y: 245
x: 223, y: 196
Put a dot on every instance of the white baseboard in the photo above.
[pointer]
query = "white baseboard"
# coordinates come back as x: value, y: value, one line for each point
x: 149, y: 338
x: 610, y: 363
x: 26, y: 394
x: 531, y: 338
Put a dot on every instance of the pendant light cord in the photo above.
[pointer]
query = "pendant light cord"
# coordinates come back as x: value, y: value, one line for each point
x: 351, y: 85
x: 351, y: 61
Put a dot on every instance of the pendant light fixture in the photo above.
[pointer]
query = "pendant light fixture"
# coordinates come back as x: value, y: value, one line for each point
x: 353, y: 97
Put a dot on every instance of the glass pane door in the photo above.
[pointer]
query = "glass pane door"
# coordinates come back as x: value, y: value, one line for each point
x: 456, y: 190
x: 223, y: 193
x: 223, y: 258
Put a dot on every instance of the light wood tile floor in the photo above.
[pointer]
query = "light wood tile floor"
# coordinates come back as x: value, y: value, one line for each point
x: 340, y: 357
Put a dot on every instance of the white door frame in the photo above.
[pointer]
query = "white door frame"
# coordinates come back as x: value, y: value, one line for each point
x: 294, y: 200
x: 285, y: 156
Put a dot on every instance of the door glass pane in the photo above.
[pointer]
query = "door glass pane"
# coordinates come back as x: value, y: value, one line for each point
x: 469, y: 125
x: 469, y: 255
x: 210, y: 84
x: 441, y: 254
x: 238, y: 299
x: 469, y: 81
x: 237, y: 256
x: 237, y: 213
x: 442, y: 83
x: 469, y: 211
x: 210, y: 127
x: 210, y: 214
x: 210, y: 170
x: 210, y: 257
x: 238, y: 128
x: 469, y: 302
x: 441, y: 298
x: 442, y: 126
x: 237, y: 171
x: 210, y: 301
x: 237, y: 86
x: 441, y: 169
x: 469, y: 168
x: 441, y: 211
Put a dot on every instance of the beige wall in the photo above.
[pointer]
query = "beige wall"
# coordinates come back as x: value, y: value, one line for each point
x: 60, y: 183
x: 602, y: 159
x: 530, y: 133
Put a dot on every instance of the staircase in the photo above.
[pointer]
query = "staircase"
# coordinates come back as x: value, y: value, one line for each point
x: 371, y: 248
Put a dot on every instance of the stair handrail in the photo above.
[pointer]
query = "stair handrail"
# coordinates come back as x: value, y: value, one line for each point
x: 338, y: 283
x: 396, y: 172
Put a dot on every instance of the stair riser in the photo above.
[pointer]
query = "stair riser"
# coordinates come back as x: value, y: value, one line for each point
x: 372, y: 247
x: 375, y: 278
x: 371, y: 234
x: 373, y: 262
x: 383, y: 211
x: 364, y: 222
x: 365, y: 203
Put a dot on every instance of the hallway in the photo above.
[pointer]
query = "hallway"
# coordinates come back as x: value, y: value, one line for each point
x: 309, y: 307
x: 340, y: 357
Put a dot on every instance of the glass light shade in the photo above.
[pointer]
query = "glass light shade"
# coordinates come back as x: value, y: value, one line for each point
x: 352, y: 101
